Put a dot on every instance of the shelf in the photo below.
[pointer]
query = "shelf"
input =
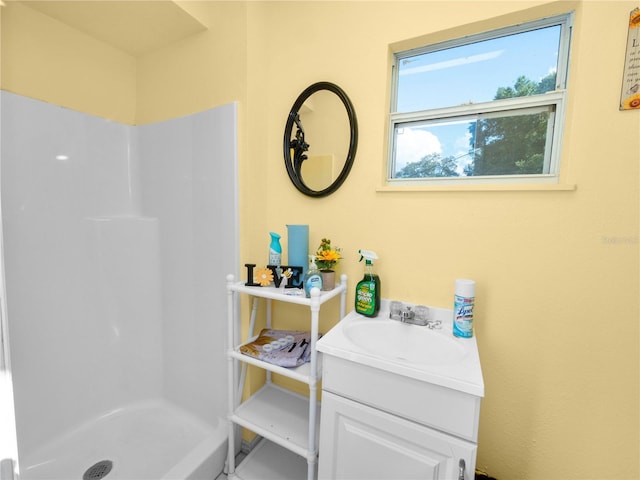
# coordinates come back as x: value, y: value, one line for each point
x: 279, y: 293
x: 301, y: 373
x: 279, y: 415
x: 289, y: 423
x: 268, y: 461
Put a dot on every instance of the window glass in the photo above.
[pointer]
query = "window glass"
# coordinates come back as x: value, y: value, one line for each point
x: 477, y: 72
x: 483, y: 106
x: 498, y: 144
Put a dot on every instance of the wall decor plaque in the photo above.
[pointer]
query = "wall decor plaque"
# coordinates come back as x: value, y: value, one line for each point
x: 630, y: 95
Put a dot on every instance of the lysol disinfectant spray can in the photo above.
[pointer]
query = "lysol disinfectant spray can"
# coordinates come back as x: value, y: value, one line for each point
x: 463, y: 300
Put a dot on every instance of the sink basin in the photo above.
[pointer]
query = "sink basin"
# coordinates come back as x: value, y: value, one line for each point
x: 412, y: 351
x: 397, y: 341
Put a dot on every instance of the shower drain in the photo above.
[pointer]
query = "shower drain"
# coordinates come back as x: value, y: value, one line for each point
x: 98, y: 471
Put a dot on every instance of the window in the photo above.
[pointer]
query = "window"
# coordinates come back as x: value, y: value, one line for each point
x: 486, y: 108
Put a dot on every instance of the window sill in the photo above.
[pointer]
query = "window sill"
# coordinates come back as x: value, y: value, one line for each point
x: 517, y: 187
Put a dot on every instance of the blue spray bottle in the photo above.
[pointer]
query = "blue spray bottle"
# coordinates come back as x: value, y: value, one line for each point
x: 275, y: 250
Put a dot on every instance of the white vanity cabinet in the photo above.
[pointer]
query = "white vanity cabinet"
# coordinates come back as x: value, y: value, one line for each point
x: 385, y: 418
x: 287, y: 422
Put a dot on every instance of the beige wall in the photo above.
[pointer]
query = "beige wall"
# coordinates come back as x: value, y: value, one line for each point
x: 44, y: 59
x: 557, y: 271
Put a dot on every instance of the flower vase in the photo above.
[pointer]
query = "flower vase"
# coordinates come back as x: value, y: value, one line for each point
x: 328, y: 279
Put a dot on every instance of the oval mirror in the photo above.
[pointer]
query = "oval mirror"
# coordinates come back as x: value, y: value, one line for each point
x: 320, y: 139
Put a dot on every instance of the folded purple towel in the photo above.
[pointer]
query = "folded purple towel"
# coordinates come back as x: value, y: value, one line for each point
x: 286, y: 348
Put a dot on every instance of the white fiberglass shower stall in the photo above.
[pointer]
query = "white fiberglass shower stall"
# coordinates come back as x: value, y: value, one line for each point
x: 117, y: 240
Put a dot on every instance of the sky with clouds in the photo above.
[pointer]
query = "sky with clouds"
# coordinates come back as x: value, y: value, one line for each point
x: 460, y: 75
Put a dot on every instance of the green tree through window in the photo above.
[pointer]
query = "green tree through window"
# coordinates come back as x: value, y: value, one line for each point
x: 511, y: 145
x: 432, y: 165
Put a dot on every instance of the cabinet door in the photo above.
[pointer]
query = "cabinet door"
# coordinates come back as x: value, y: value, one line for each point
x: 358, y: 442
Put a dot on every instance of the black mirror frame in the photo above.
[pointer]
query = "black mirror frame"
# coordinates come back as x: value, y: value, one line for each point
x: 295, y: 165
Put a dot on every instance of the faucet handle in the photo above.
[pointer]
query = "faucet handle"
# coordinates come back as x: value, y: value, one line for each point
x: 422, y: 314
x: 395, y: 308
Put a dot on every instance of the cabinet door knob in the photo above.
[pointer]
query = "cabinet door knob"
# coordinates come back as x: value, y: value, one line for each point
x: 461, y: 465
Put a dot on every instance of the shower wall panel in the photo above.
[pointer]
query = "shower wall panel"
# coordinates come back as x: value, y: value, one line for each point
x: 117, y: 239
x: 189, y: 182
x: 60, y: 170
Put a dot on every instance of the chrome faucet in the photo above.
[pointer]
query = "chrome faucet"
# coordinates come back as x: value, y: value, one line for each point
x: 418, y: 316
x: 407, y: 315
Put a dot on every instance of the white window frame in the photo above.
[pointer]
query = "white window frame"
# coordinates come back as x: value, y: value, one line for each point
x: 555, y: 100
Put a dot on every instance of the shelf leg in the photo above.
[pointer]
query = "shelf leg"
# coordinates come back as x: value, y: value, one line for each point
x: 343, y: 296
x: 252, y: 326
x: 313, y: 385
x: 231, y: 377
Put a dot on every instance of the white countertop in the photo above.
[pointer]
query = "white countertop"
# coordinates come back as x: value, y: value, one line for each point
x: 463, y: 374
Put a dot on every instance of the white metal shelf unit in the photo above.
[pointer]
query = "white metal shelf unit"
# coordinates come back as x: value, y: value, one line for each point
x: 278, y: 415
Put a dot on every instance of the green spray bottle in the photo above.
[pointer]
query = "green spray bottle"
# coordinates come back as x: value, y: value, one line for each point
x: 368, y: 289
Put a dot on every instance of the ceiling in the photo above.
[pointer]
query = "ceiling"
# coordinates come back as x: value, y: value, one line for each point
x: 134, y: 26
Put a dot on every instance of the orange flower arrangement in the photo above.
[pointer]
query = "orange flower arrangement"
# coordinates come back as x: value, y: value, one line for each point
x: 326, y: 255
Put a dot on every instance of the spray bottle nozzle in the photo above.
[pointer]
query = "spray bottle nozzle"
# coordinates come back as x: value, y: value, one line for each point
x: 369, y: 255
